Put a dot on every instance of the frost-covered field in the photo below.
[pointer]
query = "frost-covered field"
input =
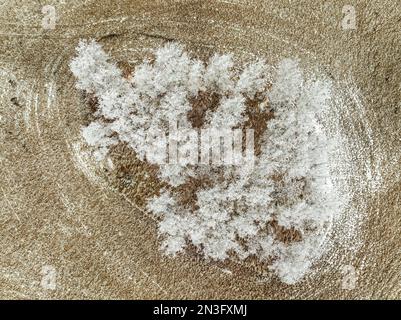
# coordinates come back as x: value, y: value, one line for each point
x: 289, y: 183
x: 85, y: 213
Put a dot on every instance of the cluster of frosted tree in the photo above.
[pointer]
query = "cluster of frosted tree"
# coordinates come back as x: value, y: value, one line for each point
x: 289, y: 183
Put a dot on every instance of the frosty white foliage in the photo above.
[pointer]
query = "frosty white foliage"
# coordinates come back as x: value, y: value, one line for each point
x: 290, y: 184
x: 98, y: 134
x: 288, y: 82
x: 229, y: 114
x: 218, y: 75
x: 158, y: 95
x: 94, y: 72
x: 252, y: 79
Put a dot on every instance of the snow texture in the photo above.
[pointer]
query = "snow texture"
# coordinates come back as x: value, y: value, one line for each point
x: 290, y: 183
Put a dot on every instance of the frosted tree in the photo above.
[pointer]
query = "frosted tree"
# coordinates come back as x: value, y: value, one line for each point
x: 276, y: 209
